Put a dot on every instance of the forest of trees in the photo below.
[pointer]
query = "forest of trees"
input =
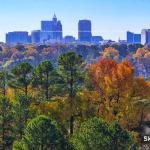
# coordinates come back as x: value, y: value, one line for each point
x: 73, y: 105
x: 137, y: 54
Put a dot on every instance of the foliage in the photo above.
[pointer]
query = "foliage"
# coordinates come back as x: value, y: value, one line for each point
x: 42, y: 133
x: 21, y: 77
x: 44, y: 77
x: 110, y: 53
x: 96, y: 134
x: 22, y: 113
x: 4, y: 78
x: 118, y: 90
x: 6, y: 123
x: 70, y: 70
x: 142, y: 53
x: 56, y: 81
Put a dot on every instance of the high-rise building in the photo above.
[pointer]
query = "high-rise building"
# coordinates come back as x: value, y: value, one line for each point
x: 45, y: 36
x: 35, y: 36
x: 96, y: 39
x: 51, y: 30
x: 69, y: 39
x: 46, y: 25
x: 133, y: 38
x: 84, y: 30
x: 130, y: 37
x: 18, y: 37
x: 29, y: 39
x: 145, y: 36
x: 137, y: 38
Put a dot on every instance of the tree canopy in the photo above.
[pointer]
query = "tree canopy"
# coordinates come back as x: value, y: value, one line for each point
x: 97, y: 134
x: 42, y: 134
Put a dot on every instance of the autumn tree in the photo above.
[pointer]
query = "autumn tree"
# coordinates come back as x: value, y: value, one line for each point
x: 142, y: 53
x: 118, y: 90
x: 110, y: 53
x: 59, y: 109
x: 143, y: 106
x: 32, y: 54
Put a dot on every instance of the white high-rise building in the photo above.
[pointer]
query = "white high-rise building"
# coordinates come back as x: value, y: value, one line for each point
x: 145, y: 36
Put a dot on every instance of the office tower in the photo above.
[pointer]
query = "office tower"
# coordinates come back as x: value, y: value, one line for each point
x: 45, y: 36
x: 96, y: 39
x: 46, y: 25
x: 57, y: 30
x: 35, y: 36
x: 130, y: 37
x: 133, y: 38
x: 29, y: 39
x: 137, y: 38
x: 18, y: 37
x: 51, y: 30
x: 69, y: 39
x: 84, y: 31
x: 145, y: 36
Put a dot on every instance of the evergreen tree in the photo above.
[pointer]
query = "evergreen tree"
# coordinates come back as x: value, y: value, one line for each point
x: 44, y: 77
x: 97, y: 134
x: 22, y: 113
x: 21, y: 77
x: 4, y: 79
x: 42, y: 134
x: 71, y: 71
x: 6, y: 124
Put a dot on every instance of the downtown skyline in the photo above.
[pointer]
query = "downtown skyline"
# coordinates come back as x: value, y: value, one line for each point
x: 52, y: 31
x: 110, y: 19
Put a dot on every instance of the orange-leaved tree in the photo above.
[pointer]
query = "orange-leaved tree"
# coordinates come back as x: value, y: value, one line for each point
x: 118, y: 91
x: 110, y: 52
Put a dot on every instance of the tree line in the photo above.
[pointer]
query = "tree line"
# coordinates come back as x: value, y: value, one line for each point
x: 72, y: 106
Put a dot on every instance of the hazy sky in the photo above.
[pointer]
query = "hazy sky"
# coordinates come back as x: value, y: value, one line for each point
x: 110, y: 18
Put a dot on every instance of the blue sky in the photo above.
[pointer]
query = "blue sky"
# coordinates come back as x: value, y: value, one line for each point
x: 110, y: 18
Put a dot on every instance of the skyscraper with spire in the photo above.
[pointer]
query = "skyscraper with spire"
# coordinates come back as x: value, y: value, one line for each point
x: 57, y: 28
x: 51, y: 30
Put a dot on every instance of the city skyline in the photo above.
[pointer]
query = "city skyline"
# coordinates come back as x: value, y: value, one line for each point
x: 110, y: 19
x: 52, y: 31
